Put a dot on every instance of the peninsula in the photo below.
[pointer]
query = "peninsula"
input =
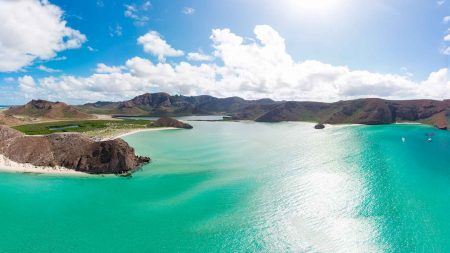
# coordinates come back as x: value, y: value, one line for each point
x: 53, y: 137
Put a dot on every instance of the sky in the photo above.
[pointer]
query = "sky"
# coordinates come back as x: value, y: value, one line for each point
x: 323, y: 50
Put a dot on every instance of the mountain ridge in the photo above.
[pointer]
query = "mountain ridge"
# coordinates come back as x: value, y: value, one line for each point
x: 369, y: 111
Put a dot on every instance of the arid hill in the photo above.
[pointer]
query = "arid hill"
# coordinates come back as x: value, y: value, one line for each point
x: 361, y: 111
x: 48, y: 110
x: 163, y: 104
x: 72, y: 151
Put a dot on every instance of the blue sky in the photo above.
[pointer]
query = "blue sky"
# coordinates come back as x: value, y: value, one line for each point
x: 395, y: 37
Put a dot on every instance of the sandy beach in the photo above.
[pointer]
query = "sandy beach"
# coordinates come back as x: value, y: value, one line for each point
x: 8, y: 165
x: 128, y: 132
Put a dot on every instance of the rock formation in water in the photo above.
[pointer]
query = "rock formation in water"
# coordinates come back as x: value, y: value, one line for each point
x: 73, y: 151
x: 170, y: 122
x: 48, y: 110
x: 319, y: 126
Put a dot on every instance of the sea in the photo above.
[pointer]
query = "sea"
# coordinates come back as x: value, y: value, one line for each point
x: 246, y: 187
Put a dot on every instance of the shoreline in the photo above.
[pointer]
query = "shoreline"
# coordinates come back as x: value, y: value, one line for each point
x: 135, y: 131
x: 7, y: 165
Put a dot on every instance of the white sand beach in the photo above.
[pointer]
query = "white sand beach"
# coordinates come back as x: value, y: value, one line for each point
x: 8, y: 165
x: 128, y: 132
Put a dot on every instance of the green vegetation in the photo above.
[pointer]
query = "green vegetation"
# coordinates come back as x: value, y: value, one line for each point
x: 90, y: 127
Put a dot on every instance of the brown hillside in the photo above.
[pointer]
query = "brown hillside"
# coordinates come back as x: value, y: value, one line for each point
x: 47, y: 109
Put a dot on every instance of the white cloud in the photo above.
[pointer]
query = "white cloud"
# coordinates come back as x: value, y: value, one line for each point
x: 446, y: 51
x: 47, y: 69
x: 193, y: 56
x: 137, y: 13
x: 447, y: 37
x: 154, y: 44
x: 251, y: 69
x: 446, y: 20
x: 103, y: 68
x: 440, y: 2
x: 188, y: 11
x: 33, y: 29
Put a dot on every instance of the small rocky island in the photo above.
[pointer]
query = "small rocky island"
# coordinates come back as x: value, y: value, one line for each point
x: 73, y: 151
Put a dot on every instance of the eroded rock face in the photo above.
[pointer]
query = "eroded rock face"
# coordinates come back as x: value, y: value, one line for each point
x: 70, y: 150
x: 170, y: 122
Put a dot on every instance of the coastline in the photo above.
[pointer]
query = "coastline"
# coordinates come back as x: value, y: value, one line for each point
x: 128, y: 132
x: 7, y: 165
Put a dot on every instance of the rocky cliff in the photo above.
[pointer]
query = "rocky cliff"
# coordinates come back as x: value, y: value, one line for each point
x: 72, y: 151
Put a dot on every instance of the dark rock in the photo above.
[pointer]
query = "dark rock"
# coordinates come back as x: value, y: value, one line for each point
x: 70, y: 150
x: 319, y: 126
x: 170, y: 122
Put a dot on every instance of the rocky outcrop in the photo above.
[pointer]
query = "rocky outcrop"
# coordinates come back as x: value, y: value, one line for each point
x: 49, y: 110
x: 319, y: 126
x: 170, y: 122
x: 73, y: 151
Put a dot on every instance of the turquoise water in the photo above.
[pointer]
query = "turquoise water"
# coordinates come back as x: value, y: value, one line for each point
x: 246, y: 187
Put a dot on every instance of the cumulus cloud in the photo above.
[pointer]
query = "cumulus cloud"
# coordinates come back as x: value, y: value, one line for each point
x: 249, y: 68
x: 33, y: 29
x: 154, y: 44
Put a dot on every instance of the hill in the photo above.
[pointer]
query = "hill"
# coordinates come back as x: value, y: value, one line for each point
x: 48, y: 110
x: 163, y: 104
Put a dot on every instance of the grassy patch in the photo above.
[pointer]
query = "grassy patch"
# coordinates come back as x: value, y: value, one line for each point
x: 81, y: 126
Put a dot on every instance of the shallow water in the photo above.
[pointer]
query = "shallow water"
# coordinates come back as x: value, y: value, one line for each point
x: 246, y: 187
